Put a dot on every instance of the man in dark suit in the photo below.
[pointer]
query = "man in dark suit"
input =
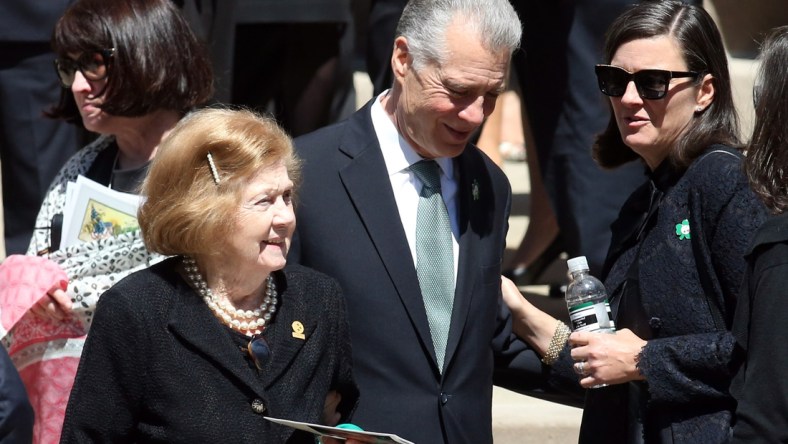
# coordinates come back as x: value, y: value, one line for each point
x: 424, y: 355
x: 381, y: 26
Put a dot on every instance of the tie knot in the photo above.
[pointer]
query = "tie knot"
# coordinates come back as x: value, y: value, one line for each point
x: 429, y: 174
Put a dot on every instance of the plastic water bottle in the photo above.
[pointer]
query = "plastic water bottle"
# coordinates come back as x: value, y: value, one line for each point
x: 586, y: 299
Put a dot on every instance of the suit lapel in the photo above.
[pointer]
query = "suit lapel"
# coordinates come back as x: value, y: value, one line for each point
x: 284, y: 345
x: 366, y: 181
x: 469, y: 185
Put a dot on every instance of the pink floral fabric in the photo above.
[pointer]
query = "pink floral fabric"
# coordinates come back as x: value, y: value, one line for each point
x: 47, y: 353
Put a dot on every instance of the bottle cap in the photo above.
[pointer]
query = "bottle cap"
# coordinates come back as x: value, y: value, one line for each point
x: 577, y: 263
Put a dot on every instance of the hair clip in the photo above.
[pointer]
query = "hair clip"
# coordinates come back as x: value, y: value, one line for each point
x: 214, y: 173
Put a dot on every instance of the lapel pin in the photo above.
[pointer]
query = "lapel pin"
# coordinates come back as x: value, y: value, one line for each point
x: 683, y: 230
x: 298, y: 330
x: 475, y: 189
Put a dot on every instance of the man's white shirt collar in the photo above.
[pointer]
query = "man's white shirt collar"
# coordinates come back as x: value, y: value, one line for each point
x: 397, y: 152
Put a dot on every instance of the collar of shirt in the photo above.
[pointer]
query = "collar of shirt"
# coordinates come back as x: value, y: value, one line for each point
x: 399, y: 155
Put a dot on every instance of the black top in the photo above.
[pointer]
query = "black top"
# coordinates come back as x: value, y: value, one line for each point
x: 293, y: 11
x: 760, y: 385
x: 104, y: 171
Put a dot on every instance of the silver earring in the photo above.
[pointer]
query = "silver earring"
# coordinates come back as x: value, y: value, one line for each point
x: 698, y: 109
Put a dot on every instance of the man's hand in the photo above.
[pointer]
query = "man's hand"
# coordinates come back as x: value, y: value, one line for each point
x: 330, y: 414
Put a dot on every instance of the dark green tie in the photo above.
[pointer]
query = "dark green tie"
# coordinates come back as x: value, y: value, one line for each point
x: 434, y: 255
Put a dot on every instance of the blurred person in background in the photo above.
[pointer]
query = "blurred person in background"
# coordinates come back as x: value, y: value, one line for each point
x: 759, y: 385
x: 291, y: 59
x: 573, y: 200
x: 32, y: 147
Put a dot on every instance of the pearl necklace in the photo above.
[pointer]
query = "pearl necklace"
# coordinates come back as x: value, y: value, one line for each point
x: 249, y: 321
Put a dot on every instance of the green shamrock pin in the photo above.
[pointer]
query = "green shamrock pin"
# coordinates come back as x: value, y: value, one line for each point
x: 683, y: 230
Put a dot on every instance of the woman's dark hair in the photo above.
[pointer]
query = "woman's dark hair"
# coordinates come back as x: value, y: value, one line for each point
x: 699, y: 40
x: 767, y: 154
x: 158, y: 61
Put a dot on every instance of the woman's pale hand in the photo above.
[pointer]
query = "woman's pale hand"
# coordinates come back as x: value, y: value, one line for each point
x: 529, y: 323
x: 513, y: 299
x: 55, y: 306
x: 608, y: 358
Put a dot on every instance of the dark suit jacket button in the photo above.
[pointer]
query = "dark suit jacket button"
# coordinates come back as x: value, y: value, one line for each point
x: 258, y: 406
x: 444, y: 398
x: 655, y: 323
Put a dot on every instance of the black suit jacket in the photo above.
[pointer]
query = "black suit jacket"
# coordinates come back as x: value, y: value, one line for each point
x: 159, y: 367
x: 349, y: 228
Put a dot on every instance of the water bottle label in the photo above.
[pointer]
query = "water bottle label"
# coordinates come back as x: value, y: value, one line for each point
x: 591, y: 317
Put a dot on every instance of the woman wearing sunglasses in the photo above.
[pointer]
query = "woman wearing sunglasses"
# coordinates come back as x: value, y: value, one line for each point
x: 676, y: 260
x: 202, y: 346
x: 129, y: 70
x: 759, y: 326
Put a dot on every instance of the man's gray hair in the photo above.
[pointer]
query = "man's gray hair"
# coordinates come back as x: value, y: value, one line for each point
x: 424, y: 23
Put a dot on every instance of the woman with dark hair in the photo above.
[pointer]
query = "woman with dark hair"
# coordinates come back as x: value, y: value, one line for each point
x: 759, y: 385
x: 674, y: 268
x: 202, y: 346
x: 130, y: 70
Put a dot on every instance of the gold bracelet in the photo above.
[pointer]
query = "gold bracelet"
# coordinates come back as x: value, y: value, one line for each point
x: 557, y: 343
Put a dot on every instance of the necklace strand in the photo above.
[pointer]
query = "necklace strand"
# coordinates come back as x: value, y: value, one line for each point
x: 248, y: 321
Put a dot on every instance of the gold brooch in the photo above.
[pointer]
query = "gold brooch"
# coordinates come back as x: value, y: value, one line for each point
x: 298, y: 330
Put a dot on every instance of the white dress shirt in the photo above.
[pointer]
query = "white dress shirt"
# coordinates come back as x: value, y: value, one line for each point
x: 399, y: 156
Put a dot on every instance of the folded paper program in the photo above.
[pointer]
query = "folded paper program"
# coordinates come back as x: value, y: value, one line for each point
x: 343, y: 432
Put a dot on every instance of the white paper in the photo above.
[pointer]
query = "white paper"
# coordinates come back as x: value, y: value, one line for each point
x: 341, y: 434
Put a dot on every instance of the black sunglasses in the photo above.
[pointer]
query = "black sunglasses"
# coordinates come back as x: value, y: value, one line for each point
x: 259, y: 351
x: 93, y: 65
x: 651, y: 84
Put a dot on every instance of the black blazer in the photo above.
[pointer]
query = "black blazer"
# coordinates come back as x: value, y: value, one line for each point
x: 689, y: 286
x: 349, y: 228
x: 159, y: 367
